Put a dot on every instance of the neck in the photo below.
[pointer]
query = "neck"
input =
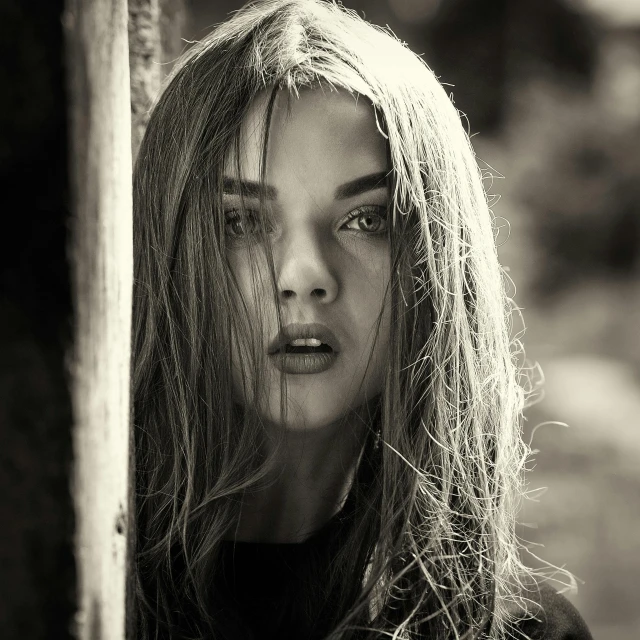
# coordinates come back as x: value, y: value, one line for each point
x: 310, y: 478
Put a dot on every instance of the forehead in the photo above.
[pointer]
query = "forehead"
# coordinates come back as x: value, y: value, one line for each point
x: 328, y: 133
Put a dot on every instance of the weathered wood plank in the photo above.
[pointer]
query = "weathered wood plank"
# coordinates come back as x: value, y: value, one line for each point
x: 101, y: 257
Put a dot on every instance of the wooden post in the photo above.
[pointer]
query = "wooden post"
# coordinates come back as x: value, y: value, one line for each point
x: 101, y: 257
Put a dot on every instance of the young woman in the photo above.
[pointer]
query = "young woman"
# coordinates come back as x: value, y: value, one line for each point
x: 326, y: 402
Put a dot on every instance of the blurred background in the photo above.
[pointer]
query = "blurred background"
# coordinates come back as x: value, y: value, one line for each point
x: 550, y: 92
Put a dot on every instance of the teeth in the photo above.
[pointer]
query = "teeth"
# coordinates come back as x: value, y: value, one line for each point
x: 305, y: 342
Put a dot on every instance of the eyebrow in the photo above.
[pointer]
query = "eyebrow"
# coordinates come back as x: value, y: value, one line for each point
x: 248, y: 189
x: 251, y: 189
x: 361, y: 185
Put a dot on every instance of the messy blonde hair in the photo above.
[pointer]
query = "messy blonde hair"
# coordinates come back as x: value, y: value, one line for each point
x: 433, y: 552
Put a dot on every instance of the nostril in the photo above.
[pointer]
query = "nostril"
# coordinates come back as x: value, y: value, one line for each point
x: 287, y: 294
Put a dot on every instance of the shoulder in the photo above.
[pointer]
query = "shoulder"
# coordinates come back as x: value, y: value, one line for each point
x: 550, y: 617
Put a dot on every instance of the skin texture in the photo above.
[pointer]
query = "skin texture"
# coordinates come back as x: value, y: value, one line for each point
x: 329, y: 269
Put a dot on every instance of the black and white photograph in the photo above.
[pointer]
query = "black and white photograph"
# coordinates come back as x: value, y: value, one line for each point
x: 320, y: 320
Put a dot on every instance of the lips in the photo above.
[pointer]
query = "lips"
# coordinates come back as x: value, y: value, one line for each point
x: 297, y: 338
x: 304, y: 349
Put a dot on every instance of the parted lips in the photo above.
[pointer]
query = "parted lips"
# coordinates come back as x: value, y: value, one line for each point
x: 304, y: 338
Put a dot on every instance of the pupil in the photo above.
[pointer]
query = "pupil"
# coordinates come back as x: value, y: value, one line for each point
x: 369, y: 223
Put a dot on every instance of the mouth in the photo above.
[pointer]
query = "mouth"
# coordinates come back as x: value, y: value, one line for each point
x: 311, y: 338
x: 306, y: 346
x: 304, y: 349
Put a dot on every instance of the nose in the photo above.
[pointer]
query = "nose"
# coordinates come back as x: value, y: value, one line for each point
x: 305, y: 273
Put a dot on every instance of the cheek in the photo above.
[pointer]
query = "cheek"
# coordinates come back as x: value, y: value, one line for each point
x: 373, y: 288
x: 373, y: 303
x: 253, y: 288
x: 251, y: 294
x: 381, y: 347
x: 239, y: 261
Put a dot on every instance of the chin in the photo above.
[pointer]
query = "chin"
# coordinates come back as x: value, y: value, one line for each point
x: 313, y: 411
x: 310, y: 414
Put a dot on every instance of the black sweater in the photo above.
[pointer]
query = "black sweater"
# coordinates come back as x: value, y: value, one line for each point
x: 262, y: 583
x: 265, y: 593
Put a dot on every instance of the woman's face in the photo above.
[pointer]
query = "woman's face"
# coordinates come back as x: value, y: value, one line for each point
x: 326, y: 202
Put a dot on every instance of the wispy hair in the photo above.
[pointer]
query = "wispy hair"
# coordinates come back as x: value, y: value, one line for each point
x: 433, y: 550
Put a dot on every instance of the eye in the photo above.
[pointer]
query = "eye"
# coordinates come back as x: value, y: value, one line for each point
x: 239, y: 223
x: 371, y: 220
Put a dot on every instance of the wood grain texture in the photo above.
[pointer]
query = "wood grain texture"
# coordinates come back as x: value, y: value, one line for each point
x: 101, y: 258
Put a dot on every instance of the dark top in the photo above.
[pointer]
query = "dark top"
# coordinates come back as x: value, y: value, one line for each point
x: 262, y: 583
x: 558, y: 619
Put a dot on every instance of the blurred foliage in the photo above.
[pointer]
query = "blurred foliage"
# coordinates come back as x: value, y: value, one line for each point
x: 579, y: 176
x: 485, y: 48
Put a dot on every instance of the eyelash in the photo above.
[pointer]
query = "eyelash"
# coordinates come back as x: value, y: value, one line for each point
x: 381, y: 212
x: 233, y: 215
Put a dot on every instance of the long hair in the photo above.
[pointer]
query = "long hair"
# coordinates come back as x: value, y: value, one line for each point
x: 432, y: 550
